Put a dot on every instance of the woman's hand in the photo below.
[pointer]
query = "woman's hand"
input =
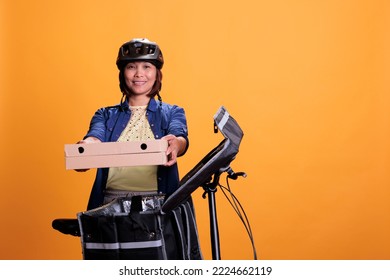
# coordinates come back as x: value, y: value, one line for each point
x: 87, y: 140
x: 176, y: 146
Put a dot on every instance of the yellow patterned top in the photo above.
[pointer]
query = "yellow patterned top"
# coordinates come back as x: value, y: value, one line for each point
x: 134, y: 178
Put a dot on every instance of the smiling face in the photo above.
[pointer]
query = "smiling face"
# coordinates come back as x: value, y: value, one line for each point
x: 140, y: 77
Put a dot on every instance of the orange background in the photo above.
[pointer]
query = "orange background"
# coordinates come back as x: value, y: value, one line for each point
x: 308, y: 82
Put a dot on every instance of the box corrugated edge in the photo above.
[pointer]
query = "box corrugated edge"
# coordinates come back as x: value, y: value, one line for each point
x: 122, y: 160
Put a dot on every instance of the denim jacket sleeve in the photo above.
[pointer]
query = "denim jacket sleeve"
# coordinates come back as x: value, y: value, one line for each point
x: 170, y: 120
x: 97, y: 126
x: 107, y: 123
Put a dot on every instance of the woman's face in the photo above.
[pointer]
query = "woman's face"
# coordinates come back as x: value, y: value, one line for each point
x: 140, y: 77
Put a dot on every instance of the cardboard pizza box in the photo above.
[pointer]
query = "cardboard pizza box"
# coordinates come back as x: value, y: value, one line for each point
x: 115, y: 154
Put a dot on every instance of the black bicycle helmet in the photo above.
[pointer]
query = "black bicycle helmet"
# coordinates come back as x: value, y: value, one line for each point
x: 140, y: 49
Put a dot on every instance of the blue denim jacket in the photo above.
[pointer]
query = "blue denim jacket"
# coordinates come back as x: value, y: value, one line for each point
x: 107, y: 125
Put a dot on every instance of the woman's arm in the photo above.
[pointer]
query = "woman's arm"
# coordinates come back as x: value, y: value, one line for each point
x: 176, y: 147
